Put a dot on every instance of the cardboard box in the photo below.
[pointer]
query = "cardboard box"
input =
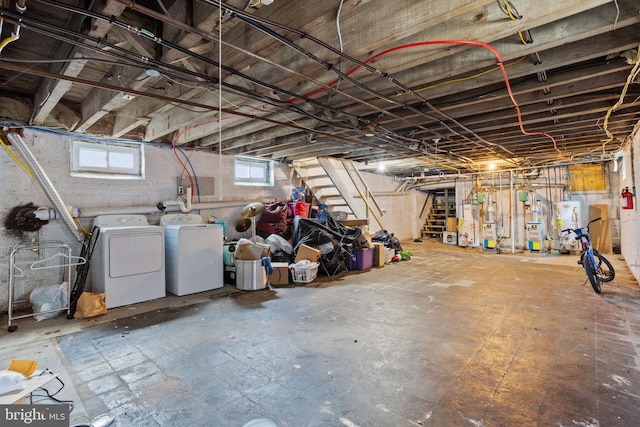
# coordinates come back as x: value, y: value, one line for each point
x: 266, y: 249
x: 246, y: 250
x: 378, y: 254
x: 307, y: 252
x: 452, y: 224
x: 364, y: 240
x: 280, y: 275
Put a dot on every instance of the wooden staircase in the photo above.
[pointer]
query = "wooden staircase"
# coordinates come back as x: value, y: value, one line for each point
x: 339, y: 185
x: 442, y: 208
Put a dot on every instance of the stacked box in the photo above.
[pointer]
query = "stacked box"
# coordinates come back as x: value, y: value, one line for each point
x: 307, y: 252
x: 378, y: 254
x: 280, y: 275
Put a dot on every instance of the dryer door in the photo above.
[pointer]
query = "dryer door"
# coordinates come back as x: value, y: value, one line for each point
x: 136, y: 253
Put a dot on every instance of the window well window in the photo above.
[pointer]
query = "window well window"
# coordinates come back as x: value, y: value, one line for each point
x: 252, y: 171
x: 107, y: 160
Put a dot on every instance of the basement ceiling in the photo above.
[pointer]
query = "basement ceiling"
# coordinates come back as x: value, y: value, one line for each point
x: 426, y: 88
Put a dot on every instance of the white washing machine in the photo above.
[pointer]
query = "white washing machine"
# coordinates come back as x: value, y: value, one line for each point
x: 128, y: 261
x: 193, y: 254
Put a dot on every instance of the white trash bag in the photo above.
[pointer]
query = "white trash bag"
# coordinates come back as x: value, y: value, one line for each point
x: 47, y: 298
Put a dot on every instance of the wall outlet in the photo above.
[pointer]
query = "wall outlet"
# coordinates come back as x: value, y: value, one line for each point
x: 180, y: 190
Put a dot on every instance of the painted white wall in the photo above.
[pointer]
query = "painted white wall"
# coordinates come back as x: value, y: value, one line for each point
x: 162, y: 172
x: 400, y: 208
x: 52, y: 150
x: 629, y: 171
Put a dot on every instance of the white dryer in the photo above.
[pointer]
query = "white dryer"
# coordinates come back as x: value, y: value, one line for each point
x: 193, y: 254
x: 128, y: 262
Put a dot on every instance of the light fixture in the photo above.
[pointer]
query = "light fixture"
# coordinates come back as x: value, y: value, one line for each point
x: 491, y: 166
x: 381, y: 167
x: 369, y: 130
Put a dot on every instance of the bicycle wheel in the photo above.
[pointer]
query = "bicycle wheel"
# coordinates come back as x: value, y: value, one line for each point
x: 605, y: 269
x: 590, y: 270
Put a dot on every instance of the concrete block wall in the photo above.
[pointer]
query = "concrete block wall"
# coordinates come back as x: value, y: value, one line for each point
x: 400, y: 208
x: 52, y: 150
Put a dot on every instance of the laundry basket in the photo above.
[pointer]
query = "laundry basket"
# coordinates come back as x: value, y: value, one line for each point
x: 304, y: 273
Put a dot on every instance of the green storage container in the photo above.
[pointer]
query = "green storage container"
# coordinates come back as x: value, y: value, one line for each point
x: 480, y: 198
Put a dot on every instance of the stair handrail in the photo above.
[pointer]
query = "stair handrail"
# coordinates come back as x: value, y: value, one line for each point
x: 365, y: 197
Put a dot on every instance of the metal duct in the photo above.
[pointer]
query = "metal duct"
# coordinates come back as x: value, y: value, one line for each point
x: 46, y: 185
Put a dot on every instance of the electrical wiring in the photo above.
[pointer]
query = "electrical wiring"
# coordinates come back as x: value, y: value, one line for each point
x: 13, y: 37
x: 150, y: 35
x: 104, y: 48
x: 47, y: 74
x: 121, y: 76
x: 632, y: 75
x: 147, y: 34
x: 500, y: 65
x: 84, y: 136
x: 269, y: 102
x: 6, y: 41
x: 193, y: 171
x: 615, y: 22
x: 462, y: 79
x: 208, y: 36
x: 510, y: 10
x: 256, y: 22
x: 219, y: 40
x: 188, y: 160
x: 48, y: 395
x: 16, y: 159
x: 340, y: 45
x: 248, y: 18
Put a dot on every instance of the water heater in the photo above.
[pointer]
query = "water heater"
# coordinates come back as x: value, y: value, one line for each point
x: 569, y: 216
x: 468, y: 226
x: 489, y: 234
x: 535, y: 235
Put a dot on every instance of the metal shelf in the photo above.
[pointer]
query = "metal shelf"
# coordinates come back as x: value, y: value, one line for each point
x: 43, y: 262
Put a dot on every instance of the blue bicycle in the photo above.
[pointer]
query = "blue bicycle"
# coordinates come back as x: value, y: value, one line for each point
x: 596, y: 266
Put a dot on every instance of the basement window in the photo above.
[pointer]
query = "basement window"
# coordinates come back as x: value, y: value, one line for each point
x: 252, y: 171
x: 107, y: 160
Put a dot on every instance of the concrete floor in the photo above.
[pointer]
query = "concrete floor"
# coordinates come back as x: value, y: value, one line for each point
x: 452, y: 337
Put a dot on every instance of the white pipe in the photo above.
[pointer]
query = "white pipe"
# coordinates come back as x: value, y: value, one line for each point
x: 511, y: 217
x: 46, y: 184
x: 45, y: 213
x: 184, y: 207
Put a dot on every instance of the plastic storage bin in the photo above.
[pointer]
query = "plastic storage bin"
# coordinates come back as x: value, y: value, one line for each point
x: 304, y: 274
x: 361, y: 259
